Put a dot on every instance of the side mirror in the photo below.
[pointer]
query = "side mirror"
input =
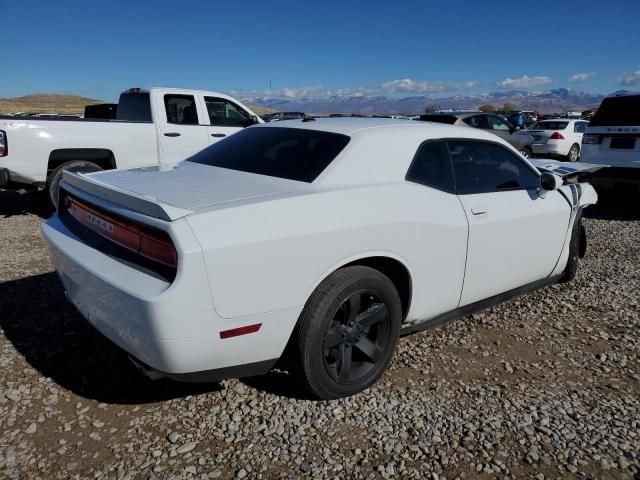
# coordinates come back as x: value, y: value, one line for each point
x: 252, y: 120
x: 549, y: 181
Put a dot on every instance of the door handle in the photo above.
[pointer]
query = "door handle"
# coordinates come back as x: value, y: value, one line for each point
x: 218, y: 135
x: 172, y: 134
x: 479, y: 210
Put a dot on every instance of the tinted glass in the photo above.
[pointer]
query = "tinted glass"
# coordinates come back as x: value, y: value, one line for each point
x: 181, y: 109
x: 450, y: 119
x: 295, y: 154
x: 478, y: 121
x: 432, y: 167
x: 580, y: 127
x: 482, y: 167
x: 546, y: 125
x: 134, y: 107
x: 621, y: 111
x: 498, y: 123
x: 223, y: 113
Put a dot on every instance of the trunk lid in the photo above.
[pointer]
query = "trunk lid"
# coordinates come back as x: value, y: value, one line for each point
x: 176, y: 190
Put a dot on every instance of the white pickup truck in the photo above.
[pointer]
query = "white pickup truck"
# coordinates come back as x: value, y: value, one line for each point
x: 157, y: 125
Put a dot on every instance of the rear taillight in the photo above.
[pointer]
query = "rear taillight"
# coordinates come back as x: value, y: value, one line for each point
x: 4, y: 147
x: 556, y: 136
x: 156, y: 246
x: 591, y: 139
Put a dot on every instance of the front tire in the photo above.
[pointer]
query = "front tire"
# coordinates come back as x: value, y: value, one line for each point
x: 577, y: 249
x: 53, y: 181
x: 347, y: 333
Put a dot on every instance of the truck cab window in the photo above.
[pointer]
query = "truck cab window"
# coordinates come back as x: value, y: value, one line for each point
x: 181, y: 109
x: 224, y: 113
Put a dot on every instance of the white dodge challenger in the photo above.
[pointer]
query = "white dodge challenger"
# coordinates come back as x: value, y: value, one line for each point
x: 319, y: 241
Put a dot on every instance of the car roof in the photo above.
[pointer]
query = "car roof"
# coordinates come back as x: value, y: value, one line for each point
x: 353, y: 126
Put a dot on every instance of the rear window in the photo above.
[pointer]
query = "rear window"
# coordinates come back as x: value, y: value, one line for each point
x: 450, y: 119
x: 549, y: 126
x: 291, y: 153
x: 134, y: 107
x: 621, y: 111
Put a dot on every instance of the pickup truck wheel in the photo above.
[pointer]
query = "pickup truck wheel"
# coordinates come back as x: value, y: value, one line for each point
x: 347, y: 333
x: 53, y: 181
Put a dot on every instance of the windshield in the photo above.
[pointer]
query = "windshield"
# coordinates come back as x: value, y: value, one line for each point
x: 546, y: 125
x: 291, y: 153
x: 623, y: 111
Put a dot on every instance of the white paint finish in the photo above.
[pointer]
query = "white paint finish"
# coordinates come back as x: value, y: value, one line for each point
x: 271, y: 255
x: 31, y: 140
x: 516, y: 241
x: 543, y: 144
x: 253, y: 247
x: 173, y: 328
x: 603, y: 154
x: 192, y: 185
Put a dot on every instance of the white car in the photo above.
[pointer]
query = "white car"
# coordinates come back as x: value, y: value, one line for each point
x: 560, y: 137
x: 612, y: 140
x: 326, y: 237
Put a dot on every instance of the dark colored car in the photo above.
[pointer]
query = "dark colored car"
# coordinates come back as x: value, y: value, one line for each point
x: 485, y: 121
x: 275, y: 117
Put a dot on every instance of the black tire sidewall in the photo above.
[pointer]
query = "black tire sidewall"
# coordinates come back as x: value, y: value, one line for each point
x: 53, y: 182
x: 317, y: 316
x: 577, y: 148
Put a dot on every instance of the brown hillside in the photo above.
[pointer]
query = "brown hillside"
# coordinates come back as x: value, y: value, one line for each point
x: 46, y: 103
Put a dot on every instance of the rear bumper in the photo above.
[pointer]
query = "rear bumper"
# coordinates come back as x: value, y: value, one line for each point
x: 549, y: 149
x: 172, y: 328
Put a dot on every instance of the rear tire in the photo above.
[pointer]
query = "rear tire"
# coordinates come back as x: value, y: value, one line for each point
x: 347, y: 333
x: 53, y: 181
x: 526, y: 152
x: 574, y: 153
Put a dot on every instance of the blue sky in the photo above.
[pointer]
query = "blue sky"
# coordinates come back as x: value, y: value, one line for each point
x: 315, y: 49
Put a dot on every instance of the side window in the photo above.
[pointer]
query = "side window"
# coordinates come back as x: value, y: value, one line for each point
x: 223, y: 113
x: 181, y: 109
x: 432, y: 166
x: 478, y: 121
x: 580, y: 127
x: 498, y: 123
x: 482, y: 167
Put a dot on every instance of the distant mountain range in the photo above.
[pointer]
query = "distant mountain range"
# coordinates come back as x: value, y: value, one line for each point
x: 557, y: 100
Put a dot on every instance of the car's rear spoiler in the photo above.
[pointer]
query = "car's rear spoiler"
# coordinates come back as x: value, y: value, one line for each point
x: 84, y: 185
x: 566, y: 170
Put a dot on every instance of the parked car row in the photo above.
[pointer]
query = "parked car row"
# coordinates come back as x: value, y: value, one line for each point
x: 492, y: 122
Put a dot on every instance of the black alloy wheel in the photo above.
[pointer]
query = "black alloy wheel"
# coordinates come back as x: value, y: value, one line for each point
x: 346, y: 334
x: 357, y: 336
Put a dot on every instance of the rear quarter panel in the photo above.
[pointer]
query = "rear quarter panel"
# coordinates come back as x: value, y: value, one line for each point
x: 271, y: 255
x: 31, y: 143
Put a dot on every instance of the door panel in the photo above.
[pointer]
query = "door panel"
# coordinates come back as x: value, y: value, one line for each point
x: 515, y: 238
x: 515, y: 235
x: 224, y: 117
x: 181, y: 134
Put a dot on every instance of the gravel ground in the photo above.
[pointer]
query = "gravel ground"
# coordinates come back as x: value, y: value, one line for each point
x: 546, y: 386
